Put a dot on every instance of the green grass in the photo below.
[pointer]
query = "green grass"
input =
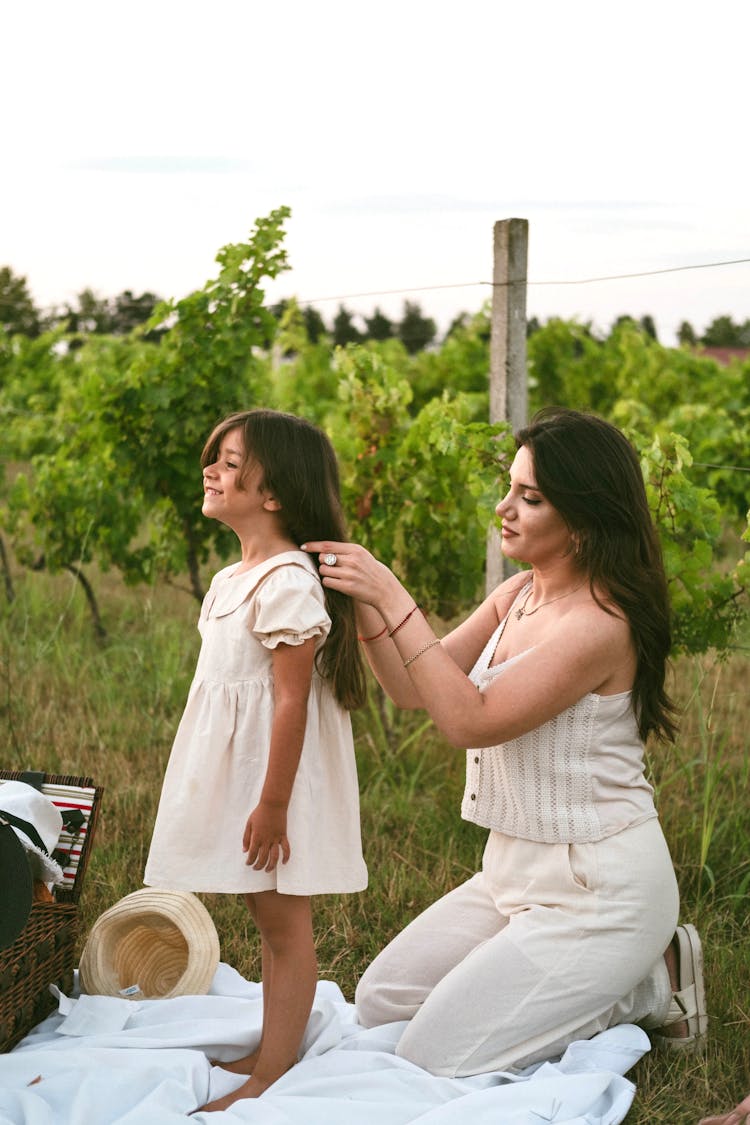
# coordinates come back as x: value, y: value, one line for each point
x: 71, y: 705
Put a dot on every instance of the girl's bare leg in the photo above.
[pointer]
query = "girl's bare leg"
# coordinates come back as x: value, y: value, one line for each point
x: 246, y: 1064
x: 285, y: 922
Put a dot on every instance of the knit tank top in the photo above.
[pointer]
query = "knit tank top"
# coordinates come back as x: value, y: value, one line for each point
x: 575, y: 779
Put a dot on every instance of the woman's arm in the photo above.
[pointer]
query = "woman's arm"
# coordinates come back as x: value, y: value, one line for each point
x: 265, y: 839
x: 575, y: 655
x: 383, y: 658
x: 394, y: 611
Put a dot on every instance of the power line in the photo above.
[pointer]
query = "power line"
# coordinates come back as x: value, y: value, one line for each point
x: 503, y: 284
x: 393, y: 292
x: 644, y: 273
x: 732, y: 468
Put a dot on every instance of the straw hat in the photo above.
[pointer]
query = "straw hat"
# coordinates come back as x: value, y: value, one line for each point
x: 151, y: 944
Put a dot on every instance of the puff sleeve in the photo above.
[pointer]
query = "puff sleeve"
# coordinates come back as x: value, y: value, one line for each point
x: 289, y: 608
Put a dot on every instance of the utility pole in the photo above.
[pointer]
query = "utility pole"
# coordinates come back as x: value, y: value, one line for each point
x: 508, y: 389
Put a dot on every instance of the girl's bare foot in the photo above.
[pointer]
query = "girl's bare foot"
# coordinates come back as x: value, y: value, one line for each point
x: 253, y: 1088
x: 245, y: 1065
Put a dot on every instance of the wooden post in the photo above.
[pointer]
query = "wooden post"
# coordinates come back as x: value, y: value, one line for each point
x: 508, y: 390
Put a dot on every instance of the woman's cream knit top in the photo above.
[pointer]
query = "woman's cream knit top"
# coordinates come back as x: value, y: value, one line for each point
x: 575, y: 779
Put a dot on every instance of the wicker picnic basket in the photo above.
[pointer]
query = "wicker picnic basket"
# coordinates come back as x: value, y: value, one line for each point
x: 44, y: 952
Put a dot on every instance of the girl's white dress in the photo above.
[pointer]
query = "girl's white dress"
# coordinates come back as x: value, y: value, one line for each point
x: 218, y: 762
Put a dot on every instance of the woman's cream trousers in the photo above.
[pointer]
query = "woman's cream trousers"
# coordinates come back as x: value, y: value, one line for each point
x: 548, y: 943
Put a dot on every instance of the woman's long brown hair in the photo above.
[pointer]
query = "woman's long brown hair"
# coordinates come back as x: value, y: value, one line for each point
x: 591, y: 474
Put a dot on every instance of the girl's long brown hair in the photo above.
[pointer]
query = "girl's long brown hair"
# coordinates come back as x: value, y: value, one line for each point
x: 300, y: 469
x: 590, y: 473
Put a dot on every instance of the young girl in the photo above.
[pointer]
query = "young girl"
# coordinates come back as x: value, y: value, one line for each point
x: 260, y: 795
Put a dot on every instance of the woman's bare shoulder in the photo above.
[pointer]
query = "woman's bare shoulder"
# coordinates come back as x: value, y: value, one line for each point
x: 502, y: 596
x: 598, y: 638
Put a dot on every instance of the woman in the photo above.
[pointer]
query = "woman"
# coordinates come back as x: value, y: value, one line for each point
x: 554, y: 682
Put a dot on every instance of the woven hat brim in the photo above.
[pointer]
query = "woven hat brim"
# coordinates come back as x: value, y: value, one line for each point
x: 151, y: 944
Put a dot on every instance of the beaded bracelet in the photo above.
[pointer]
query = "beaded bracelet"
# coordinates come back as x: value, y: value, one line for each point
x: 413, y: 609
x: 421, y: 651
x: 374, y: 636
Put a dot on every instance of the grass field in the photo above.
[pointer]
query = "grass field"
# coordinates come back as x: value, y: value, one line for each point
x: 72, y: 705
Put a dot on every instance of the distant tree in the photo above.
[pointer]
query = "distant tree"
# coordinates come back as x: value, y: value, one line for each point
x: 459, y: 322
x: 313, y: 323
x: 415, y: 331
x: 315, y: 326
x: 648, y: 326
x: 722, y: 332
x: 379, y: 326
x: 89, y: 315
x: 129, y: 311
x: 18, y: 314
x: 623, y: 318
x: 344, y: 330
x: 686, y: 336
x: 533, y: 324
x: 92, y: 315
x: 476, y: 323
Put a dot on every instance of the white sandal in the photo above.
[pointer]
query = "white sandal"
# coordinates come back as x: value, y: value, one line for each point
x: 689, y: 1001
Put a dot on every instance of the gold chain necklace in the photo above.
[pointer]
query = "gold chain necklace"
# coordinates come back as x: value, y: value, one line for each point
x: 523, y: 612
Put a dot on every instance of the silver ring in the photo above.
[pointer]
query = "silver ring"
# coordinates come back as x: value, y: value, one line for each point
x: 329, y: 559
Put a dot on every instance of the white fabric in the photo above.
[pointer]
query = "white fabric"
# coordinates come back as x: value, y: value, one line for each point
x: 575, y: 779
x: 220, y: 753
x: 106, y: 1061
x: 27, y: 803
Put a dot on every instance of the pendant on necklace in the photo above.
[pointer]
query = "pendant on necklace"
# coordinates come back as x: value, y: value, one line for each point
x: 519, y: 613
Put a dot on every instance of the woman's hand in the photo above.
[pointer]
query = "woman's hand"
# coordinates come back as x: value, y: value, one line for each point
x: 359, y: 574
x: 265, y: 838
x: 381, y: 603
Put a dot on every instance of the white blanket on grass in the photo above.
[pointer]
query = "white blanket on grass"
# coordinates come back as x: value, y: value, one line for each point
x: 102, y: 1060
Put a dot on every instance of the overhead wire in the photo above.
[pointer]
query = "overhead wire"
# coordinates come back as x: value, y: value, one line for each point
x: 504, y: 284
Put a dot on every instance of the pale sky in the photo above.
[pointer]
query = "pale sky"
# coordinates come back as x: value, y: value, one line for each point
x: 138, y: 139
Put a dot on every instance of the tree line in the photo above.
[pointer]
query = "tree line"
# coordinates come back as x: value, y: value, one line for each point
x: 90, y: 313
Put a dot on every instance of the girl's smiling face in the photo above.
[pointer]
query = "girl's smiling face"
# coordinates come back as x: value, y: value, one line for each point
x: 533, y: 530
x: 230, y: 494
